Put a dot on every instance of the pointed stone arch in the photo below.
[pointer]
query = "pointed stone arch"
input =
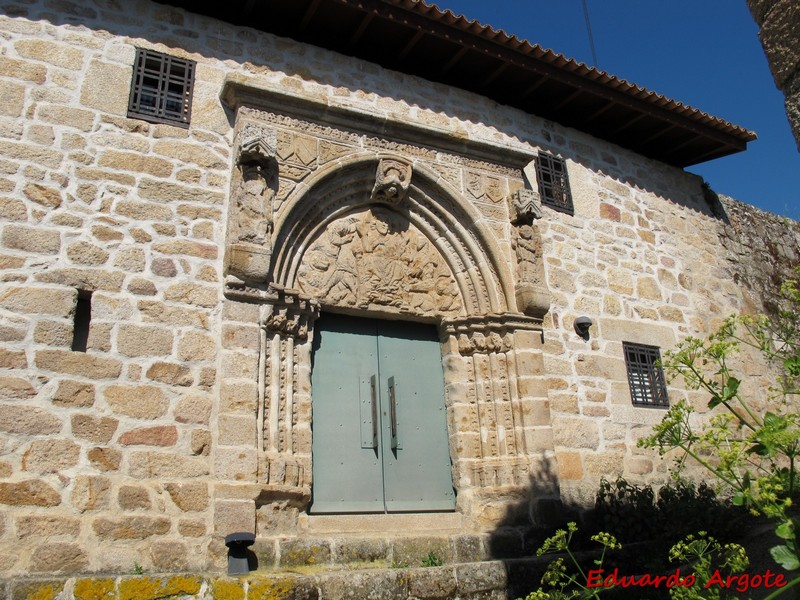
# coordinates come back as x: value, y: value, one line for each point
x: 340, y: 196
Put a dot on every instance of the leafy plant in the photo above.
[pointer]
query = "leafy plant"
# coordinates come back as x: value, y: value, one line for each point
x: 432, y: 560
x: 137, y: 569
x: 710, y: 561
x: 752, y: 452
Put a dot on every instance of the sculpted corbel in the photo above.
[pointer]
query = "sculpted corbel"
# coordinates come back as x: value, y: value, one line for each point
x: 254, y: 186
x: 391, y: 181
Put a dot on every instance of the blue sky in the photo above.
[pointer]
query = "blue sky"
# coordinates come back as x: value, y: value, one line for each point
x: 704, y: 53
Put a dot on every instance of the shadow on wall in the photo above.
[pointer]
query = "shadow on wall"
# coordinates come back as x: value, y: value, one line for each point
x: 525, y: 526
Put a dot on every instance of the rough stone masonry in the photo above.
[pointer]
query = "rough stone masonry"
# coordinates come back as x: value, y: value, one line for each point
x: 310, y: 182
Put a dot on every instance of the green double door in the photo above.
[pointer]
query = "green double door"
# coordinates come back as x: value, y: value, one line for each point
x: 379, y: 425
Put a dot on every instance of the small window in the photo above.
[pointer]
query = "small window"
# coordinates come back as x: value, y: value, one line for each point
x: 551, y: 172
x: 645, y: 376
x: 82, y: 322
x: 161, y: 90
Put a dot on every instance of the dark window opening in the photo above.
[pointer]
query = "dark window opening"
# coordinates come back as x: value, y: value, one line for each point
x: 83, y: 318
x: 645, y: 376
x: 551, y: 174
x: 161, y: 90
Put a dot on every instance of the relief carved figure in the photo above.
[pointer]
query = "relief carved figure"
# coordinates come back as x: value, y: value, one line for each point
x: 250, y: 220
x: 533, y: 298
x: 376, y: 259
x: 391, y: 181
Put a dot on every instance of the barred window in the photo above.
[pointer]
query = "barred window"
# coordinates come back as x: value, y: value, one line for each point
x: 551, y: 173
x: 161, y: 90
x: 645, y: 376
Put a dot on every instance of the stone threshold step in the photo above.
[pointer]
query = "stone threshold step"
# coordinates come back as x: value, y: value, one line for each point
x: 382, y: 525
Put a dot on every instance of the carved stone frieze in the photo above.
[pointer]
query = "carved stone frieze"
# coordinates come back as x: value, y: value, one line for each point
x: 375, y: 259
x: 488, y: 333
x: 482, y: 186
x: 391, y: 181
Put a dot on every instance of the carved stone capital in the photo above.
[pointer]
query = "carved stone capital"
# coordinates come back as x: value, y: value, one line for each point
x: 391, y: 181
x: 256, y: 144
x: 526, y: 206
x: 488, y: 334
x: 290, y: 313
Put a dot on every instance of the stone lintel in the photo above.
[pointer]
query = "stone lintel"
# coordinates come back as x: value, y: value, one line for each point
x: 488, y: 333
x: 242, y: 90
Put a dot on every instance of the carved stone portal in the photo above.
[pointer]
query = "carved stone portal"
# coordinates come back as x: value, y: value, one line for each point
x: 375, y: 259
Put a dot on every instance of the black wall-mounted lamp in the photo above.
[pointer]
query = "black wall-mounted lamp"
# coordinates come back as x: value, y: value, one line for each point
x: 582, y: 325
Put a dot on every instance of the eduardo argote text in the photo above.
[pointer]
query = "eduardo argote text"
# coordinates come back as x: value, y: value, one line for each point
x: 600, y: 578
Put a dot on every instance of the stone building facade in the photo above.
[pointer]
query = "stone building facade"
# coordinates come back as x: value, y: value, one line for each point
x: 307, y: 183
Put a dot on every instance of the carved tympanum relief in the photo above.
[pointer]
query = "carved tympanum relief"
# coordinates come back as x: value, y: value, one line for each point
x: 375, y: 259
x: 254, y: 187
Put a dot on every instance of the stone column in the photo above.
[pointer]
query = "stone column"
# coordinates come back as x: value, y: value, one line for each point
x: 498, y: 412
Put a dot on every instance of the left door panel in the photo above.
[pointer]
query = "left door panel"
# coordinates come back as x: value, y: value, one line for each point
x: 349, y: 479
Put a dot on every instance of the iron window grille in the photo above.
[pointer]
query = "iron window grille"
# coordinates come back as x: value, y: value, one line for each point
x: 645, y: 376
x: 551, y: 173
x: 161, y: 90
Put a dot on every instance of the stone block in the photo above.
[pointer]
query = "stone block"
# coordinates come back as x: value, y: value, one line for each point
x: 31, y: 239
x: 189, y: 497
x: 16, y: 388
x: 238, y: 395
x: 143, y: 211
x: 187, y: 248
x: 105, y: 459
x: 46, y: 196
x: 12, y: 99
x: 12, y: 209
x: 232, y: 516
x: 191, y: 293
x: 190, y: 153
x: 95, y: 429
x: 241, y: 336
x: 50, y: 456
x: 194, y: 528
x: 236, y: 430
x: 413, y: 550
x: 169, y: 556
x: 13, y: 359
x: 304, y: 552
x: 142, y: 340
x: 54, y: 333
x: 130, y: 528
x: 365, y: 550
x: 570, y: 466
x: 28, y: 420
x: 31, y: 492
x: 142, y: 287
x: 432, y: 583
x: 574, y: 432
x: 159, y: 465
x: 778, y: 36
x: 86, y: 253
x: 375, y: 585
x: 117, y: 160
x: 158, y: 312
x: 74, y: 394
x: 46, y: 526
x: 162, y: 435
x: 165, y: 191
x: 132, y: 497
x: 33, y: 300
x: 84, y: 278
x: 194, y: 407
x: 58, y: 557
x: 195, y: 345
x: 90, y: 492
x: 474, y: 578
x: 170, y: 373
x: 137, y: 401
x: 106, y: 87
x: 201, y: 442
x: 236, y: 463
x: 54, y: 53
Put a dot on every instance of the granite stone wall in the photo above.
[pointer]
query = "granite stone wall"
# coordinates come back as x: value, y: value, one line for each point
x: 190, y: 414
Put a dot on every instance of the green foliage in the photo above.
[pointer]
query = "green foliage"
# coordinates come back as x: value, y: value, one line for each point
x: 707, y: 557
x: 137, y: 569
x: 751, y: 451
x: 432, y: 560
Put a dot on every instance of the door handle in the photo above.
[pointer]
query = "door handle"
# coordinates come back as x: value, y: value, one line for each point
x: 393, y: 412
x: 374, y: 398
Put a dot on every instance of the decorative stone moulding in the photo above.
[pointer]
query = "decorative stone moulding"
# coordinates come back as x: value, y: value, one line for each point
x: 391, y: 181
x: 488, y: 334
x: 290, y: 313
